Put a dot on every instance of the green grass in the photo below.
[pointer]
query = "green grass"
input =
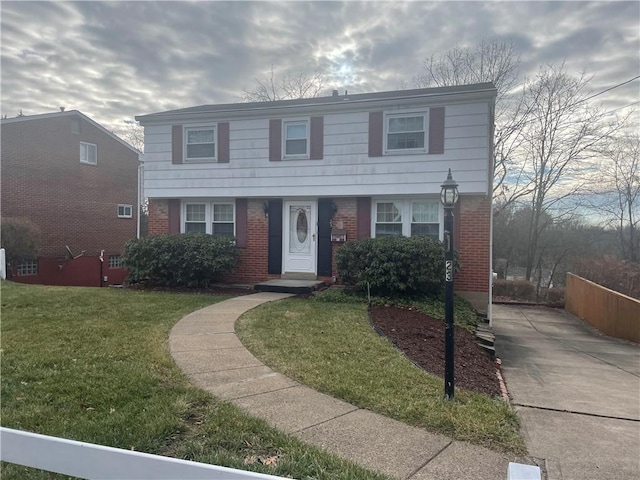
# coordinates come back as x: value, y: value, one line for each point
x: 93, y: 365
x: 331, y: 347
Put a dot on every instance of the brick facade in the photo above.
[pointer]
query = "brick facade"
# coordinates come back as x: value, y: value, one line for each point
x: 471, y: 239
x: 72, y: 203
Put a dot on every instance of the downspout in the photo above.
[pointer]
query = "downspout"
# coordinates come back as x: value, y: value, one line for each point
x: 140, y: 176
x: 492, y: 120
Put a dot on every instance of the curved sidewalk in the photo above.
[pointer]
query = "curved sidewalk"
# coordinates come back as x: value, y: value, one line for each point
x: 206, y: 348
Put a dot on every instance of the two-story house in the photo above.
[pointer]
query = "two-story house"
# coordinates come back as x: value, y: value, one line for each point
x: 78, y: 184
x: 293, y: 179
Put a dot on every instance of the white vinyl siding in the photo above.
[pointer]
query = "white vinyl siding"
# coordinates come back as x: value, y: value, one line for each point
x: 345, y: 169
x: 88, y: 153
x: 406, y: 217
x: 200, y: 144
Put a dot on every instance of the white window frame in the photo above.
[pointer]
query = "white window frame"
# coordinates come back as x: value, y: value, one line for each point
x: 199, y: 127
x: 87, y: 147
x: 115, y: 261
x: 27, y: 269
x: 124, y: 208
x: 296, y: 121
x: 400, y: 114
x: 405, y: 206
x: 208, y: 213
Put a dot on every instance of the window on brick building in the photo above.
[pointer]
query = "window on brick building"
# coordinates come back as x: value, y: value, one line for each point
x: 27, y: 268
x: 88, y: 153
x: 409, y: 217
x: 115, y: 261
x: 125, y: 211
x: 214, y: 218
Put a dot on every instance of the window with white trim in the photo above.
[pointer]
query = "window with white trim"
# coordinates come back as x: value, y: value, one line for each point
x: 200, y: 144
x: 405, y: 132
x: 409, y: 217
x: 27, y: 268
x: 195, y: 220
x: 214, y: 218
x: 296, y: 139
x: 115, y: 261
x: 88, y: 153
x: 125, y: 211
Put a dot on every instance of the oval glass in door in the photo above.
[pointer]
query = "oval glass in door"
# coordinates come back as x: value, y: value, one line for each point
x: 299, y: 235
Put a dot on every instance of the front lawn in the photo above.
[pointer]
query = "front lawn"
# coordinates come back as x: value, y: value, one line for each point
x: 331, y: 347
x: 92, y: 364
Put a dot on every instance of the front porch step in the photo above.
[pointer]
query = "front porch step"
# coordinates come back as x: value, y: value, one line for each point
x: 485, y: 337
x: 296, y: 287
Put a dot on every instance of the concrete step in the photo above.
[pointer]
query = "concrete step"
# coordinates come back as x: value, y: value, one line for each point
x: 297, y: 287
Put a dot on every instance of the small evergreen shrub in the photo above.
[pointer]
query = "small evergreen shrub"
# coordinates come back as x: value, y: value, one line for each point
x: 179, y: 260
x: 515, y: 289
x: 393, y: 265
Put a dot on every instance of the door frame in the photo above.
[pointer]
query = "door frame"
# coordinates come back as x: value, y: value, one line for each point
x: 313, y: 232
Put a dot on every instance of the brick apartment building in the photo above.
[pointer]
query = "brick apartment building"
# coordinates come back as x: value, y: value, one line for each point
x: 293, y: 180
x: 78, y: 183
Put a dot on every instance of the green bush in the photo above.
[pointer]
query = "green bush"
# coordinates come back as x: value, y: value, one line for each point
x: 179, y: 260
x: 393, y: 265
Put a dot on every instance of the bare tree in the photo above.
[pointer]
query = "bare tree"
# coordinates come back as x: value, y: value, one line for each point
x: 559, y: 142
x: 616, y: 191
x: 490, y: 61
x: 132, y: 133
x: 301, y: 85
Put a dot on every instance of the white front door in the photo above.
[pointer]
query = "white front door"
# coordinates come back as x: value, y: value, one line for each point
x: 300, y: 245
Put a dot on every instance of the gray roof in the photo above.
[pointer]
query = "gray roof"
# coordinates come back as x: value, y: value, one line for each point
x: 329, y: 100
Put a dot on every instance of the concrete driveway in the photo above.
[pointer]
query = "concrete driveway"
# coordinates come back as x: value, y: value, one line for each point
x: 577, y: 392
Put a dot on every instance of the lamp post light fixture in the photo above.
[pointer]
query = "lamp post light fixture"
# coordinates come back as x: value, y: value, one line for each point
x: 448, y: 197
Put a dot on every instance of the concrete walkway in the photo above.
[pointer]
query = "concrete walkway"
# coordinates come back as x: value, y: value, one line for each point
x: 205, y: 346
x: 577, y: 392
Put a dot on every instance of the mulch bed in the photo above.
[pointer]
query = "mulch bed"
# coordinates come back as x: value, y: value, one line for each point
x: 421, y: 339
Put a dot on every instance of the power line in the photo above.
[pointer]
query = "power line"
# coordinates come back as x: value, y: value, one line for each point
x: 609, y: 89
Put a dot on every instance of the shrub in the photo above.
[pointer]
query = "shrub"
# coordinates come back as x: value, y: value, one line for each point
x: 179, y: 260
x: 516, y: 289
x: 20, y: 239
x: 555, y: 297
x: 393, y: 265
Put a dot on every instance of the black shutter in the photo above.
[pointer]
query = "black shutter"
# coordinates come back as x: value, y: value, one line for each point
x: 325, y: 211
x: 274, y: 262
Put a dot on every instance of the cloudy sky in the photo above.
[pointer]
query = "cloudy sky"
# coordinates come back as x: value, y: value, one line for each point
x: 115, y: 60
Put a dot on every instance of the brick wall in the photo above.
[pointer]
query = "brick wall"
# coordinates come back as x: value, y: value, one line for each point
x: 472, y: 240
x: 73, y: 204
x: 345, y: 217
x: 158, y: 217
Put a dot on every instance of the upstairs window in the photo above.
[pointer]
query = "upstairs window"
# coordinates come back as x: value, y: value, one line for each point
x: 125, y: 211
x: 200, y: 144
x: 88, y: 153
x: 405, y: 132
x: 296, y: 139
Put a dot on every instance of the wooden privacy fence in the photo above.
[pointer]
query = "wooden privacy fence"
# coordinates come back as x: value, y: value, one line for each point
x: 610, y: 312
x: 87, y: 460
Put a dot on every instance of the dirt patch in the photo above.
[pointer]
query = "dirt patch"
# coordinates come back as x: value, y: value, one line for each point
x: 421, y: 339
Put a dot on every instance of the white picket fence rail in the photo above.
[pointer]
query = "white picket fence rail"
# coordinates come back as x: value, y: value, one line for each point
x: 90, y: 461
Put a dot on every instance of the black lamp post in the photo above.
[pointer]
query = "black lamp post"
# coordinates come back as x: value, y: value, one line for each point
x: 448, y: 197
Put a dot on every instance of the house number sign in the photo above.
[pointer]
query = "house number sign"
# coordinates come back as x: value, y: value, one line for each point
x: 448, y: 276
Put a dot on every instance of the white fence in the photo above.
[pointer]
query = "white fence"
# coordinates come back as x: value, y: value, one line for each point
x: 87, y: 460
x: 3, y: 265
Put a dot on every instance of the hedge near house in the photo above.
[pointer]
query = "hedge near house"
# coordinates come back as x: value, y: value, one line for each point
x: 393, y: 265
x: 179, y: 260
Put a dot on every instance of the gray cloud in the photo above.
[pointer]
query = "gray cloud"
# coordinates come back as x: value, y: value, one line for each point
x: 114, y: 60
